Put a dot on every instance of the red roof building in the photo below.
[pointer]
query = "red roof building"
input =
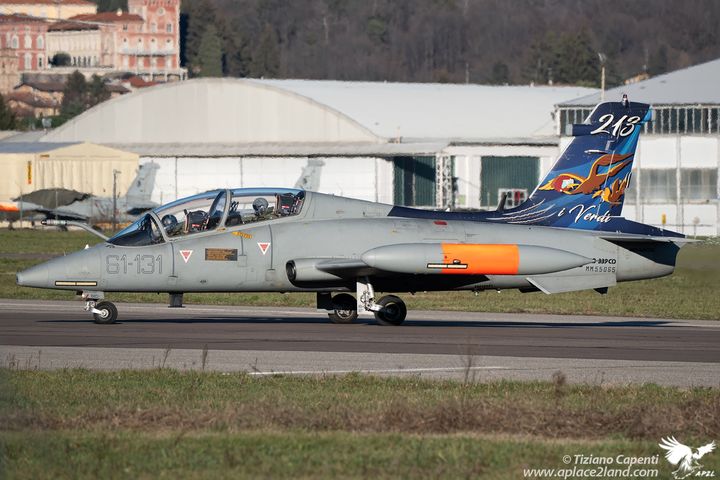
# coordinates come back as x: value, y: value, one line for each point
x: 144, y: 41
x: 157, y: 47
x: 25, y: 36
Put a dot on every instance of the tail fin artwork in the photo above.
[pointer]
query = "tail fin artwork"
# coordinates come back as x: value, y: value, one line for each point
x: 141, y: 188
x: 586, y: 186
x: 585, y: 189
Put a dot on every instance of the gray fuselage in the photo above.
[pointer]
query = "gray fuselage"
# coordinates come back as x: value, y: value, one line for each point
x: 254, y: 256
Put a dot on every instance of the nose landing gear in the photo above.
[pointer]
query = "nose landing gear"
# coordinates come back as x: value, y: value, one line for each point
x: 103, y: 312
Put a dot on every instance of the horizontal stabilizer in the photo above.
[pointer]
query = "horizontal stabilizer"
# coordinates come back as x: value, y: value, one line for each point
x: 620, y: 237
x: 571, y: 283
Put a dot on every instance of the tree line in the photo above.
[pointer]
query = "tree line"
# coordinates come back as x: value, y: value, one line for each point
x: 477, y: 41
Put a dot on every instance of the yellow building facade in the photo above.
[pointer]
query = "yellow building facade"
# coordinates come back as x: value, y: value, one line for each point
x: 84, y: 167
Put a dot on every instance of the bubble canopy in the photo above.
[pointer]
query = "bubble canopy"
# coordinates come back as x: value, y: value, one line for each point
x: 211, y: 210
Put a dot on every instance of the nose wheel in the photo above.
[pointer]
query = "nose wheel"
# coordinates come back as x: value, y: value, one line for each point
x: 104, y: 313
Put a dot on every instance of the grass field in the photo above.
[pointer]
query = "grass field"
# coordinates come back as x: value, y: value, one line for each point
x: 164, y: 423
x: 692, y: 292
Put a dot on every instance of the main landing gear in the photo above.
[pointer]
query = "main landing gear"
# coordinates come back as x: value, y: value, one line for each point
x: 343, y: 308
x: 103, y: 312
x: 392, y: 311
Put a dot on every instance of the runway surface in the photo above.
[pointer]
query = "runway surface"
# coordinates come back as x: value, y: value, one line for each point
x: 436, y: 344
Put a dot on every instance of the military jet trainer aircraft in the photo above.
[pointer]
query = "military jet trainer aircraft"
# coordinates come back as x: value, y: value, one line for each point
x: 567, y: 236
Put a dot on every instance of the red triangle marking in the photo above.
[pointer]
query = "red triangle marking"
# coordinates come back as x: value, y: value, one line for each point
x: 264, y: 246
x: 186, y: 254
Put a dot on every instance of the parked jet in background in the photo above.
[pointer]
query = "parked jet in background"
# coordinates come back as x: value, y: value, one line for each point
x: 567, y: 236
x: 62, y: 204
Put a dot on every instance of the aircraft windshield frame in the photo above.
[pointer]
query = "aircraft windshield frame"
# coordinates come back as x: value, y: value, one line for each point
x: 190, y: 215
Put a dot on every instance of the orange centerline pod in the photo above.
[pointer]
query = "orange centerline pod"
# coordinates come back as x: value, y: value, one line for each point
x: 480, y: 259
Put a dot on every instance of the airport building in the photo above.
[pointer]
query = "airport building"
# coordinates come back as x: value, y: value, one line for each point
x: 84, y: 167
x: 425, y: 145
x: 675, y: 176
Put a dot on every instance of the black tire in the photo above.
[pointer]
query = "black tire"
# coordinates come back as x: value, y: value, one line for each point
x: 393, y: 312
x: 109, y: 313
x: 345, y: 307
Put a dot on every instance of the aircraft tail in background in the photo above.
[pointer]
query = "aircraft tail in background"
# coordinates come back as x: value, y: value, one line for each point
x: 140, y: 191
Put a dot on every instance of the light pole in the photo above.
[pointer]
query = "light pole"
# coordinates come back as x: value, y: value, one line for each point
x: 602, y: 58
x: 114, y: 213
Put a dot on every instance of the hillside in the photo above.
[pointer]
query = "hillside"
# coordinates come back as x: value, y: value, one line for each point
x: 481, y: 41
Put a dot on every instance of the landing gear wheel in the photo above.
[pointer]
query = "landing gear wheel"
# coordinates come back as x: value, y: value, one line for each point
x: 108, y: 313
x: 345, y: 309
x: 393, y: 311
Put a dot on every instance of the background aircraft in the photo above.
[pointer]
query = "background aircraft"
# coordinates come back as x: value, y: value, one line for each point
x: 63, y: 204
x: 567, y: 236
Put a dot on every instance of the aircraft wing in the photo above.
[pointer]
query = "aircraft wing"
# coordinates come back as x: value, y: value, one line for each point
x: 59, y: 214
x: 549, y: 284
x: 52, y: 196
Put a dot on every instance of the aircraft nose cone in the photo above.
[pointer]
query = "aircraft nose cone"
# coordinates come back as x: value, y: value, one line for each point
x: 36, y: 276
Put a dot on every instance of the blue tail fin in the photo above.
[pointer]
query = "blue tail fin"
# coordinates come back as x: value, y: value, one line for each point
x: 586, y: 186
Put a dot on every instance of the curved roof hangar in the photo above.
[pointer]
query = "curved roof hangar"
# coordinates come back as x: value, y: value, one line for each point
x: 249, y: 111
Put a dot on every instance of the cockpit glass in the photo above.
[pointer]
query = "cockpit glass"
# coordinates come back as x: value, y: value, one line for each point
x: 251, y: 207
x: 193, y: 215
x: 143, y: 232
x: 206, y: 211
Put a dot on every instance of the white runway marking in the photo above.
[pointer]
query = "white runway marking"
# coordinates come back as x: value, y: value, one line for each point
x: 386, y: 370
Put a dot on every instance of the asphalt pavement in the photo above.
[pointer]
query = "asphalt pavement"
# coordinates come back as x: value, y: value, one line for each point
x: 262, y: 341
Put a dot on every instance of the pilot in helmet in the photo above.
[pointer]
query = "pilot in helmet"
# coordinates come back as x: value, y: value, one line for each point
x: 171, y: 225
x: 260, y: 205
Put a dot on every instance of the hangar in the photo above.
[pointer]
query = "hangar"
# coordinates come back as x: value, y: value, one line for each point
x: 675, y: 177
x: 85, y: 167
x: 388, y: 142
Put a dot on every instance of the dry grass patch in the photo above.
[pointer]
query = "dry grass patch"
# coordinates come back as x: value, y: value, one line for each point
x: 171, y: 400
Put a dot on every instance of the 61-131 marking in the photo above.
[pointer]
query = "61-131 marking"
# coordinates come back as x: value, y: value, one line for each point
x: 145, y: 264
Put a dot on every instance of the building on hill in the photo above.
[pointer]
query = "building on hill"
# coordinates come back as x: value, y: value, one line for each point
x: 50, y: 9
x: 158, y: 52
x: 81, y: 41
x: 26, y: 37
x: 144, y: 41
x: 675, y: 178
x: 123, y: 41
